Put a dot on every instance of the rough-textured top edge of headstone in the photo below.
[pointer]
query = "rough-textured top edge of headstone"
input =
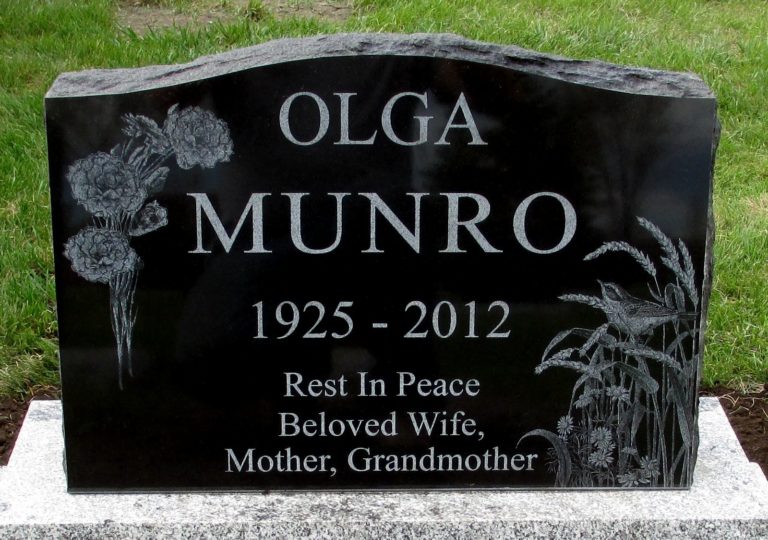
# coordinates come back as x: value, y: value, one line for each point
x: 592, y: 73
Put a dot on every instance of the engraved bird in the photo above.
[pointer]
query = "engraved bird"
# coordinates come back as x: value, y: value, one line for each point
x: 633, y: 315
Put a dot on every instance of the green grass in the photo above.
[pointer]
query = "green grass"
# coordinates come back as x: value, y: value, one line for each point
x: 725, y: 42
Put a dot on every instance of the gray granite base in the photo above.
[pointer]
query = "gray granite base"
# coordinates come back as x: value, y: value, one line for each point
x: 729, y: 499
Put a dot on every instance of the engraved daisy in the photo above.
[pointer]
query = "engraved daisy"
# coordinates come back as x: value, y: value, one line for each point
x: 564, y: 426
x: 600, y: 458
x: 649, y: 465
x: 618, y: 393
x: 601, y: 438
x: 628, y: 480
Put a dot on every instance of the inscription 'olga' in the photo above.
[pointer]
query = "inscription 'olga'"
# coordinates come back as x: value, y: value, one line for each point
x: 345, y: 138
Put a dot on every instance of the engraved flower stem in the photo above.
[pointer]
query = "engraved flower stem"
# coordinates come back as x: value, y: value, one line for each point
x: 148, y: 169
x: 122, y: 288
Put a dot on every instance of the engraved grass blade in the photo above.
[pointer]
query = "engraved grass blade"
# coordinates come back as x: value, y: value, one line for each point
x: 563, y: 459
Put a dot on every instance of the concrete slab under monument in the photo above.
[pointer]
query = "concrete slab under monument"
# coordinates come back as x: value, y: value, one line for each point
x: 729, y: 499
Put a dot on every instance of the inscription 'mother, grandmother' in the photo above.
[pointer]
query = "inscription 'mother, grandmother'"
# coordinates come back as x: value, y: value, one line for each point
x: 380, y: 262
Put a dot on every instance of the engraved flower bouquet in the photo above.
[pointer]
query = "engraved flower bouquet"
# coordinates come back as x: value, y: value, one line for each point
x: 114, y: 187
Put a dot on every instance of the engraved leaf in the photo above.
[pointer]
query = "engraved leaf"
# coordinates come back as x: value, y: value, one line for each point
x: 156, y: 181
x: 137, y: 125
x: 579, y: 383
x: 556, y: 340
x: 679, y: 299
x: 684, y: 419
x: 138, y: 156
x: 654, y: 294
x: 670, y: 296
x: 676, y: 342
x: 595, y: 337
x: 638, y: 412
x: 681, y: 453
x: 153, y: 140
x: 643, y: 380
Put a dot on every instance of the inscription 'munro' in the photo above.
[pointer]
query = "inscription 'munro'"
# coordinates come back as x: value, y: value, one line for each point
x: 411, y: 235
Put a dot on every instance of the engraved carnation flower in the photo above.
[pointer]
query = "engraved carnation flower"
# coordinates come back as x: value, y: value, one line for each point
x: 198, y: 137
x: 98, y: 254
x: 150, y: 218
x: 105, y: 185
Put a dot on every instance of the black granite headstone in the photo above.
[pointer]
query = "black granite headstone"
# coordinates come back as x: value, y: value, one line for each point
x: 380, y: 262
